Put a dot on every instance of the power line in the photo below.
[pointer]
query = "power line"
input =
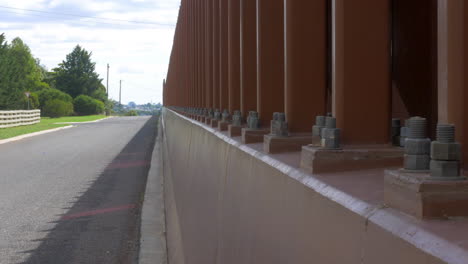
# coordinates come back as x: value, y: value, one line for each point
x: 75, y: 15
x: 73, y: 21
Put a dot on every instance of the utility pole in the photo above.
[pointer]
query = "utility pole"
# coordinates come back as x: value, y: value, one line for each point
x: 120, y: 93
x: 107, y: 87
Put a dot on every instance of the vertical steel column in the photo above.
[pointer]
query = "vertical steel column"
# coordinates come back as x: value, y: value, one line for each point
x: 215, y: 54
x: 199, y: 54
x: 361, y: 70
x: 186, y: 55
x: 208, y: 54
x: 270, y: 59
x: 223, y: 54
x: 192, y: 45
x: 452, y: 63
x: 248, y: 56
x: 305, y: 62
x: 201, y: 36
x: 234, y: 55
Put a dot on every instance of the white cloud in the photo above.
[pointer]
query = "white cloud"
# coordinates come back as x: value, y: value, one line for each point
x: 137, y: 54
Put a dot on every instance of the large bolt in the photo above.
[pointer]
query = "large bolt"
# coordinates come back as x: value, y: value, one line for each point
x: 445, y: 133
x: 226, y: 116
x: 217, y: 115
x: 396, y: 124
x: 404, y: 133
x: 445, y: 154
x: 331, y: 136
x: 253, y: 121
x: 319, y: 125
x: 330, y: 122
x: 417, y: 146
x: 418, y: 126
x: 237, y: 118
x: 279, y: 126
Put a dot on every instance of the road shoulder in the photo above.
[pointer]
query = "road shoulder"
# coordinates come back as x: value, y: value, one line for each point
x: 153, y: 226
x: 8, y: 140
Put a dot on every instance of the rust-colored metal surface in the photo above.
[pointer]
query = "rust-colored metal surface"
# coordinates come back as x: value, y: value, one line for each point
x: 216, y: 60
x: 234, y: 54
x: 414, y: 59
x: 451, y: 66
x: 208, y: 39
x: 248, y: 56
x: 305, y: 62
x: 229, y: 203
x: 465, y: 94
x: 270, y: 59
x: 361, y: 70
x: 223, y: 55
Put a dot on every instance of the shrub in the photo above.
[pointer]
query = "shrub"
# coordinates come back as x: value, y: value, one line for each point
x: 131, y: 113
x: 57, y: 108
x: 51, y: 94
x: 85, y: 105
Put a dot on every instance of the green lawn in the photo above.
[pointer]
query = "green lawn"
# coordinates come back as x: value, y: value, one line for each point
x: 45, y: 124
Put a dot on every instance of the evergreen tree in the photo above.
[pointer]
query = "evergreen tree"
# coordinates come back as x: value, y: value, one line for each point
x: 76, y: 75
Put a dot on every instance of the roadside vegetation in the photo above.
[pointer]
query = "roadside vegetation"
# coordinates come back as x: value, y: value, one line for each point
x: 72, y: 88
x: 46, y: 124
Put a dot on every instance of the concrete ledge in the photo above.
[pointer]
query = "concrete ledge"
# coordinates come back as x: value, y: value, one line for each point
x: 274, y: 144
x: 234, y: 131
x: 250, y: 136
x: 416, y: 194
x: 153, y: 226
x: 319, y: 160
x: 228, y: 202
x: 223, y: 126
x: 214, y: 123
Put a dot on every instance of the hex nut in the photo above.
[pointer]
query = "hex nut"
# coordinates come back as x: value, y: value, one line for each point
x: 417, y: 146
x: 443, y: 168
x: 331, y: 138
x: 416, y: 162
x: 316, y: 131
x: 404, y: 131
x: 445, y: 151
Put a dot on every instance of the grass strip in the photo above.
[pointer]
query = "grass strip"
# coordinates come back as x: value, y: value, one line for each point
x: 45, y: 124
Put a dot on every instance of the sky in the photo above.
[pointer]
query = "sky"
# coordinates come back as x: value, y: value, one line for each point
x: 138, y: 53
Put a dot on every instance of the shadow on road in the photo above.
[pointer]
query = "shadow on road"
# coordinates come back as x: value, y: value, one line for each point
x: 102, y: 225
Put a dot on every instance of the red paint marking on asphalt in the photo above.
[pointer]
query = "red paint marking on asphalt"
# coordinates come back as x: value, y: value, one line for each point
x: 99, y: 211
x: 125, y: 165
x: 131, y: 153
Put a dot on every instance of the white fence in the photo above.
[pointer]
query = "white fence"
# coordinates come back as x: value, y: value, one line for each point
x: 19, y: 118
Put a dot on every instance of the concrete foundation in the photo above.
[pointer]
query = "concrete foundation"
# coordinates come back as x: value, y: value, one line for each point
x: 250, y: 136
x: 416, y: 194
x: 320, y: 160
x: 274, y: 144
x: 234, y: 131
x: 223, y: 126
x: 214, y: 123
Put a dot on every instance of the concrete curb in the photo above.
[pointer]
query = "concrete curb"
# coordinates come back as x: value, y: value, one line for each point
x: 8, y: 140
x: 88, y: 122
x: 153, y: 248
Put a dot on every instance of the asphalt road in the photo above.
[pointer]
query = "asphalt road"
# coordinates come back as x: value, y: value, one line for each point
x: 74, y: 196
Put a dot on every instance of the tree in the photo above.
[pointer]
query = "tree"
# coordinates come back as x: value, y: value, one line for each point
x: 76, y: 74
x: 19, y: 73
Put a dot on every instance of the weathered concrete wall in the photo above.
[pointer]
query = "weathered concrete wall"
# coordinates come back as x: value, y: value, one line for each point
x: 227, y: 203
